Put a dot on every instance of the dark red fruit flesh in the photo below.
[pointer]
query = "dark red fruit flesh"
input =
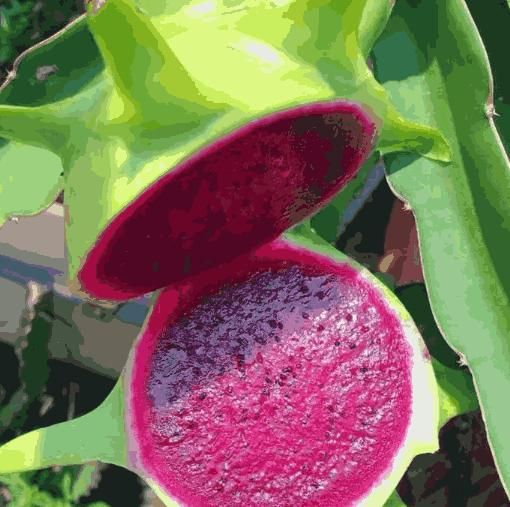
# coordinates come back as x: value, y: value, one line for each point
x: 285, y: 384
x: 236, y: 194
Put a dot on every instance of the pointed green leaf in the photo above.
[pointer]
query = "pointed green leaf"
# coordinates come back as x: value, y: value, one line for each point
x: 432, y: 63
x: 146, y: 72
x: 37, y: 126
x: 373, y: 21
x: 98, y: 435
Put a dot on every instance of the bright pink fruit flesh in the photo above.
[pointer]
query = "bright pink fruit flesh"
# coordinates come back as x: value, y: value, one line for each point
x: 282, y: 383
x: 240, y: 192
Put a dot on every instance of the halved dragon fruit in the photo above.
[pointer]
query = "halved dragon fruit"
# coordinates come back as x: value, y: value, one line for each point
x: 283, y: 379
x: 287, y: 377
x: 241, y: 191
x: 175, y: 157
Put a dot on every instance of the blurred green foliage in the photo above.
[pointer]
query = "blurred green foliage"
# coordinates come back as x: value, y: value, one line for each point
x: 23, y: 23
x: 57, y: 486
x: 51, y: 487
x: 14, y: 23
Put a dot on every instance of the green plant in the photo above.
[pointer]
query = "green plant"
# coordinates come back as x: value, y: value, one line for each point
x: 148, y: 205
x: 68, y: 487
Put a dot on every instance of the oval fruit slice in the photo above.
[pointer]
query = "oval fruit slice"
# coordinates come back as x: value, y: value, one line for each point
x: 239, y: 192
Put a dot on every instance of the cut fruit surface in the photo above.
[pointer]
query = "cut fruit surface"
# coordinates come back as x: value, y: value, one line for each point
x: 283, y: 379
x: 172, y: 159
x: 287, y: 377
x: 237, y: 193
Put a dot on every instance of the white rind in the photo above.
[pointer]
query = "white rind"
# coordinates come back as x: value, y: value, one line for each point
x: 422, y: 433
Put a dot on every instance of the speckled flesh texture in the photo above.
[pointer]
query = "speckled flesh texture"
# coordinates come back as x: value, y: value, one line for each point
x: 284, y: 382
x: 233, y: 195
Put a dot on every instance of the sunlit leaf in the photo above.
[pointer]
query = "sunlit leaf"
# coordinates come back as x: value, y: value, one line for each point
x: 432, y: 63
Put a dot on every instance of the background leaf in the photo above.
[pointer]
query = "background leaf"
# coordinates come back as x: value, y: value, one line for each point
x: 332, y: 219
x: 415, y: 299
x: 456, y: 390
x: 434, y: 66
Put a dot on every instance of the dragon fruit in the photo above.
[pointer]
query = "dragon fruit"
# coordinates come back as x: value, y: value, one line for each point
x: 289, y: 376
x: 169, y: 152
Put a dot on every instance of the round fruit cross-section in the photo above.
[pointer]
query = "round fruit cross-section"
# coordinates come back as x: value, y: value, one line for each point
x: 282, y: 380
x: 239, y: 192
